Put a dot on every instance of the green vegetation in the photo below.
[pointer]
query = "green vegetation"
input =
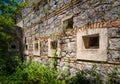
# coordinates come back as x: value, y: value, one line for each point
x: 86, y: 77
x: 113, y: 76
x: 93, y: 76
x: 8, y: 11
x: 54, y: 61
x: 35, y: 73
x: 31, y: 73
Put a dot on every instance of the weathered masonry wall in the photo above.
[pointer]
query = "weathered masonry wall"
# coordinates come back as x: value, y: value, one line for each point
x: 15, y: 45
x: 84, y: 32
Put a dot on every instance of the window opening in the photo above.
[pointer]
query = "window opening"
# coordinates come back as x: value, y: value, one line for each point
x: 91, y: 41
x: 54, y: 44
x: 68, y: 24
x: 36, y: 46
x: 13, y: 47
x: 26, y: 47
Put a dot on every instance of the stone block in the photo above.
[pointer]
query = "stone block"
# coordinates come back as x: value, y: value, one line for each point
x: 106, y: 1
x: 112, y: 14
x: 67, y: 40
x: 82, y: 16
x: 85, y: 6
x: 60, y: 3
x: 67, y: 1
x: 52, y: 25
x: 67, y: 55
x: 52, y: 2
x: 80, y: 24
x: 53, y: 8
x: 94, y: 2
x: 103, y: 7
x: 72, y: 71
x: 62, y: 64
x: 116, y: 3
x: 57, y: 23
x: 79, y: 66
x: 63, y: 47
x: 114, y: 32
x: 50, y: 20
x: 73, y: 39
x: 71, y: 46
x: 113, y: 56
x: 69, y: 12
x: 114, y: 43
x: 103, y: 70
x: 76, y: 10
x: 72, y: 54
x: 72, y: 65
x: 88, y: 66
x: 63, y: 54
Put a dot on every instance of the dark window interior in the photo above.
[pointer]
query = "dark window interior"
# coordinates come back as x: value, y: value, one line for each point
x: 53, y: 44
x: 25, y: 40
x: 26, y: 47
x: 91, y: 41
x: 13, y: 47
x: 68, y: 24
x: 36, y: 46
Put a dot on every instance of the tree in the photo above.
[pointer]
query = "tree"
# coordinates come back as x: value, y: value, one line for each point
x: 8, y: 11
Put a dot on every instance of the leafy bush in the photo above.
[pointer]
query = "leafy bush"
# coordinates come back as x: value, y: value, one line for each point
x: 114, y: 76
x: 32, y: 73
x: 35, y: 73
x: 86, y: 77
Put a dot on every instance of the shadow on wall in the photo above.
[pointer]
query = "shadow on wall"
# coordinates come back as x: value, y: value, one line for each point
x: 15, y: 46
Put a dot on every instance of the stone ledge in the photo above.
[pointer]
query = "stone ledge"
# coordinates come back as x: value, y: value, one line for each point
x: 114, y: 32
x: 98, y: 62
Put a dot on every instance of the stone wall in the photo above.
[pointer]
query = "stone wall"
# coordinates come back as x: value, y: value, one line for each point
x: 15, y: 45
x: 46, y: 22
x: 114, y: 44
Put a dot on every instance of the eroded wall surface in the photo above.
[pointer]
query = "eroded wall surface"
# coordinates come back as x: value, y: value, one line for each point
x: 94, y: 38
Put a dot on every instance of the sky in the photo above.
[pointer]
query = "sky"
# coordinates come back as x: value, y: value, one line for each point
x: 6, y: 2
x: 19, y: 0
x: 9, y: 0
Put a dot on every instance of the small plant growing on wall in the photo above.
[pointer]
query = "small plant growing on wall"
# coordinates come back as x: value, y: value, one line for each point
x: 45, y: 11
x: 119, y: 15
x: 86, y: 77
x: 114, y: 76
x: 54, y: 60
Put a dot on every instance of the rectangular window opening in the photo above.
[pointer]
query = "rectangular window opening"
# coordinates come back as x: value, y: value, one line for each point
x: 13, y: 46
x: 26, y: 47
x: 54, y: 44
x: 36, y: 46
x: 91, y: 41
x: 68, y: 24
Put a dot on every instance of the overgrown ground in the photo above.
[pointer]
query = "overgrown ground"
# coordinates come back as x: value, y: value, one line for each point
x: 35, y: 73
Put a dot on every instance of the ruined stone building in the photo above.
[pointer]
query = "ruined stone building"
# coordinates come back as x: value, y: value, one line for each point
x: 15, y: 44
x: 82, y: 32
